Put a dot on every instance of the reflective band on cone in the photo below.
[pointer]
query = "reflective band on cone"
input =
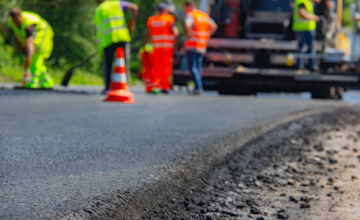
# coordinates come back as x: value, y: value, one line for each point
x: 119, y: 91
x: 120, y: 78
x: 120, y: 62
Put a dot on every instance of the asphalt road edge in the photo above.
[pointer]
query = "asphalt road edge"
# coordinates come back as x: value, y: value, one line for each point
x: 132, y: 203
x: 81, y: 90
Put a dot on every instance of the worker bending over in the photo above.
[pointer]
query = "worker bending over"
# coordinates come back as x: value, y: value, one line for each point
x: 163, y: 34
x: 34, y: 37
x: 199, y: 27
x: 304, y: 25
x: 146, y: 55
x: 112, y: 32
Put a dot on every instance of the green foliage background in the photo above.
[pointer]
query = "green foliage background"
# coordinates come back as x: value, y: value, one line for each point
x: 74, y: 40
x: 75, y: 35
x: 347, y: 20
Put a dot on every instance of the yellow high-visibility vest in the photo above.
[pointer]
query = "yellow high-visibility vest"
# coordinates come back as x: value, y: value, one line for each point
x: 43, y: 35
x: 299, y: 23
x: 111, y: 25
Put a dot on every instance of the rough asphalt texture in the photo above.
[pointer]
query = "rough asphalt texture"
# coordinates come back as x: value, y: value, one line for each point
x: 306, y: 169
x: 74, y: 156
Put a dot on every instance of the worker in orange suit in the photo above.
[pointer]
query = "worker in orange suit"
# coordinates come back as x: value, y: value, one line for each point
x: 199, y: 27
x: 163, y: 33
x: 146, y: 54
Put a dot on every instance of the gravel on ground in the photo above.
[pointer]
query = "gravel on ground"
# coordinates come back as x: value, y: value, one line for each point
x: 307, y: 169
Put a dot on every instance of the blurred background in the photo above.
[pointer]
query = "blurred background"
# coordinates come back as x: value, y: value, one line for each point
x: 74, y: 40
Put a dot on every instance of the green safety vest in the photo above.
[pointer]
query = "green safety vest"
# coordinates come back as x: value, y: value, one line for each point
x: 299, y: 23
x: 43, y: 34
x: 111, y: 25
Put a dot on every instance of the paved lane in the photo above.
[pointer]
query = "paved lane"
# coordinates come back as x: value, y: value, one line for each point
x: 58, y: 151
x: 352, y: 96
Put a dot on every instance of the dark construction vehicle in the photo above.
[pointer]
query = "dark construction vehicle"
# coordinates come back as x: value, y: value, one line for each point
x: 255, y: 49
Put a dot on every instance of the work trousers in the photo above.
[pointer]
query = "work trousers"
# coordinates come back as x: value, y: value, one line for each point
x: 40, y: 78
x: 195, y: 62
x: 308, y: 38
x: 163, y: 67
x: 108, y: 60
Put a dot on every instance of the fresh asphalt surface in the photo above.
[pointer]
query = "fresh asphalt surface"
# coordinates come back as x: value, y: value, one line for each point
x: 59, y: 150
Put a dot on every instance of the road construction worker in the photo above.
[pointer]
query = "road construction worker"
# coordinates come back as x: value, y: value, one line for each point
x: 355, y: 12
x: 112, y: 32
x: 304, y: 25
x: 146, y: 55
x: 199, y: 27
x: 325, y: 10
x: 163, y: 34
x: 34, y: 37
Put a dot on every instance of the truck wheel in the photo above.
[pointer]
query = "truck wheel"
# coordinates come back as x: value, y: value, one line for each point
x: 340, y: 93
x: 226, y: 92
x: 328, y: 93
x: 234, y: 91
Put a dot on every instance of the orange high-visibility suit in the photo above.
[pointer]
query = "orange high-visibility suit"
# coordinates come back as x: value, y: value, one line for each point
x: 163, y: 41
x: 200, y: 31
x: 196, y: 45
x: 146, y: 55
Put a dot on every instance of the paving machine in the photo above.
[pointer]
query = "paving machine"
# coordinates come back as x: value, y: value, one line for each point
x: 255, y: 50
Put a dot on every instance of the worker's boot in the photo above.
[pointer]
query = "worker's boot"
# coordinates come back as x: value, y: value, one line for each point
x: 33, y: 83
x: 155, y: 91
x: 46, y: 82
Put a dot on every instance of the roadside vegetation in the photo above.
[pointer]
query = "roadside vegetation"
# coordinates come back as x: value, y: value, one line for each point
x: 347, y: 19
x: 75, y: 38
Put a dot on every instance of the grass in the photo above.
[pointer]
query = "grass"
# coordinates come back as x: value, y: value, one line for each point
x: 80, y: 77
x: 15, y: 75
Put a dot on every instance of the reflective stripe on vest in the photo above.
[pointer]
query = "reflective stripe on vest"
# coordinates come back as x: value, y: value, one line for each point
x: 163, y: 37
x: 160, y: 28
x: 299, y: 23
x: 109, y: 30
x: 163, y: 45
x: 111, y: 25
x: 200, y: 32
x: 106, y: 21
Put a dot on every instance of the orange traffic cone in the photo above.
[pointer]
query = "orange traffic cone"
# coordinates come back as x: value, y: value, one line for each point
x: 119, y: 89
x: 26, y: 78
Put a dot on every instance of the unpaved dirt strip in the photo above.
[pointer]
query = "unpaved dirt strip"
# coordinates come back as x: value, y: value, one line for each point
x: 307, y: 169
